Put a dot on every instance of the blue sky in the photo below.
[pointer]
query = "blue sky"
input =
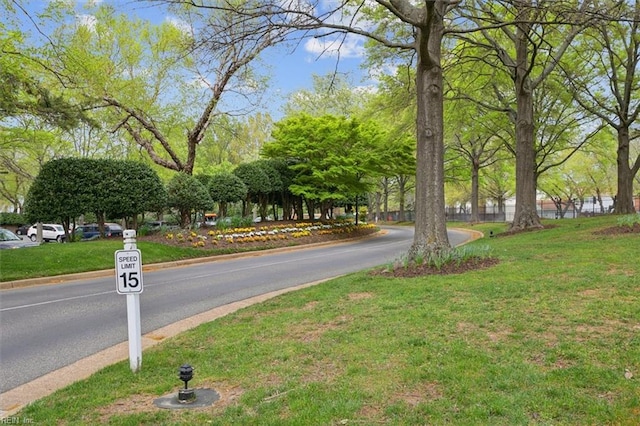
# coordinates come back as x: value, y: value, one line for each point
x: 290, y: 70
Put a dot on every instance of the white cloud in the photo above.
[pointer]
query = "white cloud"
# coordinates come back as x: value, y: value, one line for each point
x: 370, y: 89
x: 65, y: 2
x: 89, y: 21
x: 350, y: 46
x: 200, y: 81
x: 347, y: 15
x: 90, y: 3
x: 181, y: 25
x: 386, y: 69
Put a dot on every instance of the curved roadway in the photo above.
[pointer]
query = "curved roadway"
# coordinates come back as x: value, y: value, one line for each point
x: 45, y: 328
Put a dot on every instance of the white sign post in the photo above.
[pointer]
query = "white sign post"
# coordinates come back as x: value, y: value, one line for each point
x: 129, y: 282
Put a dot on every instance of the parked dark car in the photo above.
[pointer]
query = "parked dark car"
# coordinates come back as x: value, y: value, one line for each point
x: 9, y: 240
x: 157, y: 225
x: 91, y: 231
x: 113, y: 229
x: 22, y: 229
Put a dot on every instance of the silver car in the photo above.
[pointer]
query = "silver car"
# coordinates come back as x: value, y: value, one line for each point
x: 9, y: 240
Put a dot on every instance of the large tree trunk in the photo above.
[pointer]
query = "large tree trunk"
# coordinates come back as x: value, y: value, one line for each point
x: 624, y: 197
x: 311, y: 209
x: 402, y: 183
x: 185, y: 218
x: 378, y: 202
x: 430, y: 225
x: 385, y: 209
x: 526, y: 215
x: 298, y: 206
x: 475, y: 189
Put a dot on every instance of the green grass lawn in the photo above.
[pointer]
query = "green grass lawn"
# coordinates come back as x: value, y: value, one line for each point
x: 543, y: 338
x: 50, y: 259
x: 58, y: 259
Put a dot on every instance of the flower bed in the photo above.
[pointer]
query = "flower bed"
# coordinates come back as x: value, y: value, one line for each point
x: 278, y: 234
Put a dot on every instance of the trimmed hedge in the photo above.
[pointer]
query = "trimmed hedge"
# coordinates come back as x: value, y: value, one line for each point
x: 12, y: 219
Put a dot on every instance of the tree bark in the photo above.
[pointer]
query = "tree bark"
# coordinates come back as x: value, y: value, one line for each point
x: 626, y: 173
x: 475, y: 189
x: 185, y: 218
x: 402, y: 189
x: 430, y: 226
x: 525, y: 215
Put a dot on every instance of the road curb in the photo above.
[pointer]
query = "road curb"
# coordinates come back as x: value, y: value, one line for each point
x: 475, y: 235
x: 60, y: 279
x: 14, y: 400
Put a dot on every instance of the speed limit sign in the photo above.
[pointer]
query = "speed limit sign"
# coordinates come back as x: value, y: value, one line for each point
x: 128, y: 271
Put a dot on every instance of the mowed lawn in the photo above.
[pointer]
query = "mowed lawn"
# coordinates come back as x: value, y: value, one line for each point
x: 548, y: 336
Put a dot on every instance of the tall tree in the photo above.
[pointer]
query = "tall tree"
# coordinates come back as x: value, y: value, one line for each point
x: 479, y: 151
x: 393, y: 106
x: 331, y: 156
x: 162, y: 85
x: 132, y: 188
x: 529, y: 39
x: 231, y: 141
x: 187, y: 194
x: 607, y: 84
x: 475, y: 133
x: 400, y: 166
x: 22, y: 92
x: 331, y: 94
x: 257, y: 183
x: 62, y: 191
x: 70, y: 187
x: 33, y: 113
x: 498, y: 183
x: 420, y: 30
x: 271, y: 169
x: 226, y: 188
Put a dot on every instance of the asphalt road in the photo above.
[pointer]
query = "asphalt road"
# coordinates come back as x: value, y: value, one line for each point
x: 47, y: 327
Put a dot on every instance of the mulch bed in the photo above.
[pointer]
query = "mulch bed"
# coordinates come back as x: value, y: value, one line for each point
x: 620, y: 229
x: 419, y: 270
x: 520, y: 231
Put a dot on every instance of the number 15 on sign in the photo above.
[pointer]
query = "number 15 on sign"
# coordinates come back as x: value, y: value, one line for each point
x: 128, y: 271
